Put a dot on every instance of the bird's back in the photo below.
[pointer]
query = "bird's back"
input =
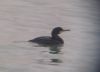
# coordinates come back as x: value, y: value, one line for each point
x: 45, y: 40
x: 42, y: 40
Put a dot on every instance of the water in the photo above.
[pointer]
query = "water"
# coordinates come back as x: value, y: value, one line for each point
x: 22, y: 20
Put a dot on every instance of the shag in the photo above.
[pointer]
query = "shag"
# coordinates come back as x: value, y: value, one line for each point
x: 54, y: 39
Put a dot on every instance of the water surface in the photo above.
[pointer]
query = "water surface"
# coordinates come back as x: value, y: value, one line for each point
x: 22, y: 20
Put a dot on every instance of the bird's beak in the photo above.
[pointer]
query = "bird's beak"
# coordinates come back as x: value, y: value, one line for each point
x: 67, y: 30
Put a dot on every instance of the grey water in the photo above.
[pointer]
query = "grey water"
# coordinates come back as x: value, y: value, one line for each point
x: 22, y: 20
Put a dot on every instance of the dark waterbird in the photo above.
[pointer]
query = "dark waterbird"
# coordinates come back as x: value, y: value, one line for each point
x: 53, y: 40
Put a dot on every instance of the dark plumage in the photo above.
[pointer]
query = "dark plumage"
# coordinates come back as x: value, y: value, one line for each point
x: 53, y: 40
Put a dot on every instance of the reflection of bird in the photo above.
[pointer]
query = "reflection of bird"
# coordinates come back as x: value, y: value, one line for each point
x: 54, y: 39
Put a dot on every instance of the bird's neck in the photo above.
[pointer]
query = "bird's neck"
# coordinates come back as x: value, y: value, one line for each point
x: 57, y: 37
